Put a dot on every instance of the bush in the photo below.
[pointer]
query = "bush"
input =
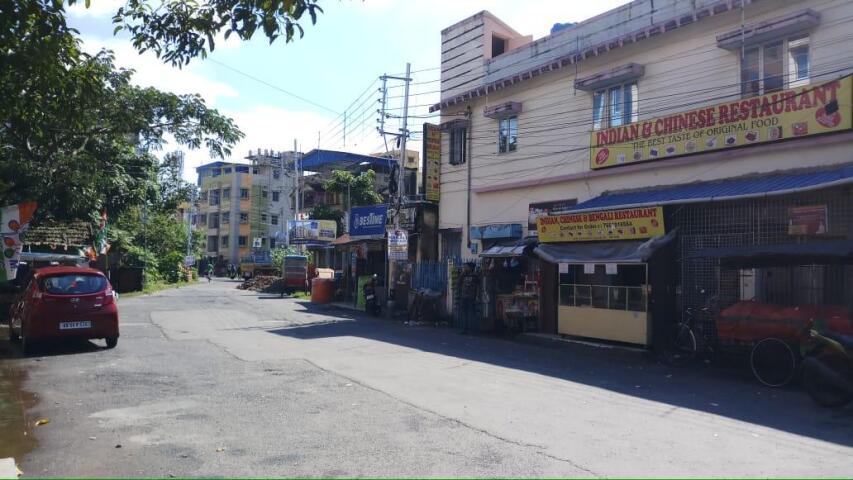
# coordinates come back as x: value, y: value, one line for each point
x: 171, y: 267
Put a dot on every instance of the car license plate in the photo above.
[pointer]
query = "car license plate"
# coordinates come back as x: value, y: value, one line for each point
x: 73, y: 325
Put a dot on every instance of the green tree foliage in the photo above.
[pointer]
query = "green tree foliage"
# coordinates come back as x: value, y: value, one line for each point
x: 359, y: 188
x: 180, y: 31
x: 75, y: 134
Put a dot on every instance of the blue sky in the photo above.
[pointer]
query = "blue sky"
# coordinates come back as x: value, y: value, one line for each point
x: 352, y: 44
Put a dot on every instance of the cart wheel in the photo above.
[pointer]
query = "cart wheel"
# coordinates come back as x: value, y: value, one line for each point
x: 773, y: 362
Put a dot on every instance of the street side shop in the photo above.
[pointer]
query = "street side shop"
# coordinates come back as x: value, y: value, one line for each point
x: 614, y: 275
x: 361, y: 253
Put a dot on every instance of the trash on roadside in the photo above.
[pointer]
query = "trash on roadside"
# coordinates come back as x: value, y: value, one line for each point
x: 118, y: 445
x: 262, y: 283
x: 42, y: 421
x: 220, y: 449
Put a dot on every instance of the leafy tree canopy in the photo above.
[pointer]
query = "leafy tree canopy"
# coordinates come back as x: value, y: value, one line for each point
x: 360, y: 188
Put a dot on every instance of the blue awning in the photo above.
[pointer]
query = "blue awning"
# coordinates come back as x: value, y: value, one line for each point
x: 729, y: 189
x: 319, y: 160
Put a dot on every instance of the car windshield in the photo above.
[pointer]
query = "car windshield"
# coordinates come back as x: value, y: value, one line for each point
x: 73, y: 284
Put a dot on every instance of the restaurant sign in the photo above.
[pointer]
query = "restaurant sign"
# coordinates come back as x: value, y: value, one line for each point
x: 432, y: 162
x: 627, y: 224
x: 798, y: 112
x: 808, y: 220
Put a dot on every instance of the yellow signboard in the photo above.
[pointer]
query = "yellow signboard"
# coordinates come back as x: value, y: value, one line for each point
x: 432, y: 162
x: 628, y: 224
x: 798, y: 112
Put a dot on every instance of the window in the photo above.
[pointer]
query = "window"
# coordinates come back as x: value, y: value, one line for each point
x: 226, y: 170
x: 498, y: 46
x: 458, y: 144
x: 244, y: 193
x: 274, y: 219
x: 226, y: 193
x: 216, y: 172
x: 275, y: 196
x: 263, y: 218
x: 212, y: 243
x: 775, y: 65
x: 615, y: 106
x: 264, y: 193
x: 203, y: 196
x: 272, y: 243
x: 225, y: 218
x: 214, y: 197
x: 213, y: 221
x: 244, y: 217
x: 276, y: 173
x: 224, y: 241
x: 242, y: 240
x: 202, y: 219
x: 255, y: 170
x: 507, y: 134
x: 241, y: 169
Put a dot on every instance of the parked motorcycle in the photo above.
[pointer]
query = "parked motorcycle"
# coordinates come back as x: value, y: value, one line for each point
x: 828, y: 367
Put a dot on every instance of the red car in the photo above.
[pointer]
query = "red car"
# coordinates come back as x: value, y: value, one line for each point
x: 65, y: 302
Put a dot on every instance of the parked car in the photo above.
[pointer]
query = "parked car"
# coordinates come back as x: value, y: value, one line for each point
x: 65, y: 302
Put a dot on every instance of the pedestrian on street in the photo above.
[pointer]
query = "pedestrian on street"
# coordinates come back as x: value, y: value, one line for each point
x: 469, y: 286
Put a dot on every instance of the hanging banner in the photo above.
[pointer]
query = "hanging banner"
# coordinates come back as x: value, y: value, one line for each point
x: 368, y: 220
x: 628, y: 224
x: 311, y: 231
x: 398, y: 245
x: 798, y: 112
x: 432, y: 162
x: 808, y: 220
x: 14, y: 222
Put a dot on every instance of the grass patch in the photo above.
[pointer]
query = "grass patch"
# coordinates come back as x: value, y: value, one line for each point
x: 301, y: 294
x: 154, y: 287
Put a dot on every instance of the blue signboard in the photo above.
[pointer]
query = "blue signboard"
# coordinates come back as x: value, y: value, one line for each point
x: 496, y: 230
x: 368, y: 220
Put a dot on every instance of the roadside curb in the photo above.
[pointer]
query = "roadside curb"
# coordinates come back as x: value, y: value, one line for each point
x: 8, y: 469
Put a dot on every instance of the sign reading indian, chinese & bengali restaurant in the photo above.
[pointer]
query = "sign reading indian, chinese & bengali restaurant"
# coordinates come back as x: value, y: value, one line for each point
x: 432, y: 162
x: 798, y: 112
x: 627, y: 224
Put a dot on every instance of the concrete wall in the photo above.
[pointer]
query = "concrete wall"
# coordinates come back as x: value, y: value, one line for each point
x: 684, y: 69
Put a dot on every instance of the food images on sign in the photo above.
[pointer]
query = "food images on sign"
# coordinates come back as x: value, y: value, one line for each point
x: 776, y: 116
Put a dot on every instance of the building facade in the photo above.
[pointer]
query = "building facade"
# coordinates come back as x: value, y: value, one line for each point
x: 245, y: 206
x: 727, y: 121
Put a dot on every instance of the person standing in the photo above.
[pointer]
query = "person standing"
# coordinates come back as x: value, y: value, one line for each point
x: 469, y: 286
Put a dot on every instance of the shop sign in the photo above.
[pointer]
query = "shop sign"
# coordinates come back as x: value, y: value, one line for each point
x: 368, y: 220
x: 627, y: 224
x: 14, y: 222
x: 799, y: 112
x: 189, y: 260
x: 540, y: 209
x: 495, y: 230
x: 808, y: 220
x: 311, y: 231
x: 432, y: 162
x: 398, y: 245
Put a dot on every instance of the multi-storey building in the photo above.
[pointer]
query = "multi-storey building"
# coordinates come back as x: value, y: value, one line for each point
x: 706, y: 125
x: 245, y: 206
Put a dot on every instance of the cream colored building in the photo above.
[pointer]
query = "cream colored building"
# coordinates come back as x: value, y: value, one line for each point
x: 519, y: 115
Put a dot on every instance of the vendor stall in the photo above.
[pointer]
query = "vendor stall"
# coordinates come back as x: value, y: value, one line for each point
x: 511, y: 285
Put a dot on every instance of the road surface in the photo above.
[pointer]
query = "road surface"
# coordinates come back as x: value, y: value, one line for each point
x: 209, y: 380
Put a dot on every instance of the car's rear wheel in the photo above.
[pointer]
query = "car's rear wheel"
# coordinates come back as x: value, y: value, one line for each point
x: 111, y: 342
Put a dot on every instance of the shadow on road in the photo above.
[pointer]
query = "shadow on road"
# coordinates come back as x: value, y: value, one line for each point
x: 727, y: 391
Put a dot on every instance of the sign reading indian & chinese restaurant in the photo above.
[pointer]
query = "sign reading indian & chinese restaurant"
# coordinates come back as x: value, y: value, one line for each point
x: 432, y: 162
x: 798, y: 112
x: 626, y: 224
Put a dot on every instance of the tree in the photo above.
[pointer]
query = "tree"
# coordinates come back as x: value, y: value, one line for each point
x: 180, y: 31
x: 172, y: 188
x: 360, y: 189
x: 75, y: 135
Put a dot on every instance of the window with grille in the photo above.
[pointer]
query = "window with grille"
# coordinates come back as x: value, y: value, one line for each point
x: 774, y: 66
x: 615, y: 106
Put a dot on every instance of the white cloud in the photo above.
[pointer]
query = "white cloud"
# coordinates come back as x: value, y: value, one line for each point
x: 152, y: 72
x: 266, y: 127
x: 98, y: 8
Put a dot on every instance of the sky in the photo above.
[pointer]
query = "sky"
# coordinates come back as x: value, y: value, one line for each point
x: 281, y: 92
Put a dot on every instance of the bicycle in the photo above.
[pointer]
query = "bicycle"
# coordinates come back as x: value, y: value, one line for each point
x: 684, y: 346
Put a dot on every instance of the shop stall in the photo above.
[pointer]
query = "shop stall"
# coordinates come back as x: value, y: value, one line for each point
x: 511, y: 285
x: 614, y: 277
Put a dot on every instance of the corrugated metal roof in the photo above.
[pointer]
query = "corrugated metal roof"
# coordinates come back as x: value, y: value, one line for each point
x: 324, y: 159
x: 730, y: 189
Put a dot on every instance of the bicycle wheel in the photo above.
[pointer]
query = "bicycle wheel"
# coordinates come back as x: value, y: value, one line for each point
x: 773, y: 362
x: 683, y: 348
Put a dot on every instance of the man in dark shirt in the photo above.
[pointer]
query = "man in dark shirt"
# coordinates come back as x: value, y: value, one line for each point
x: 469, y: 286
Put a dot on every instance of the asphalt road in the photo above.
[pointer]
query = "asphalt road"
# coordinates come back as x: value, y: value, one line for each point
x: 209, y: 380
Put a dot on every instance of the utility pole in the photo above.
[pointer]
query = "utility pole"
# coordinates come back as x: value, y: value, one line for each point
x: 404, y: 132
